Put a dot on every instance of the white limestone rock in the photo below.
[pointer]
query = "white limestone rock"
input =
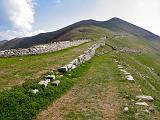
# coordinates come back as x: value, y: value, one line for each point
x: 51, y: 77
x: 120, y: 67
x: 63, y: 69
x: 43, y: 82
x: 130, y: 78
x: 145, y: 98
x: 56, y: 82
x: 34, y: 91
x: 126, y: 109
x: 141, y: 104
x: 126, y: 73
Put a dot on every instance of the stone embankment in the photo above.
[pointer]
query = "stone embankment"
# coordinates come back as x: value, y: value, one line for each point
x: 87, y: 55
x: 40, y: 49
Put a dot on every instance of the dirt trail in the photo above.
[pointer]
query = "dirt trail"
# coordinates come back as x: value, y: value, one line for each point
x: 54, y: 112
x: 95, y: 96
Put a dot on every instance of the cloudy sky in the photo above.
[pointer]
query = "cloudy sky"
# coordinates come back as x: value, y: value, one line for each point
x: 29, y: 17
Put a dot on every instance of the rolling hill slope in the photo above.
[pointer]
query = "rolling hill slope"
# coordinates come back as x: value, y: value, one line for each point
x: 115, y: 25
x: 94, y: 90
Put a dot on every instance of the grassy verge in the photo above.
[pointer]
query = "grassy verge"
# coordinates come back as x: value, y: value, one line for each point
x: 19, y: 104
x: 142, y: 68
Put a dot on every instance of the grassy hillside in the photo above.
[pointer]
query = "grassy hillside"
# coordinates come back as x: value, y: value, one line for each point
x: 103, y: 92
x: 95, y: 90
x: 17, y: 70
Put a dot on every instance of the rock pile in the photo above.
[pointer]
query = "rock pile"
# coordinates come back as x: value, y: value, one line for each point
x: 40, y: 49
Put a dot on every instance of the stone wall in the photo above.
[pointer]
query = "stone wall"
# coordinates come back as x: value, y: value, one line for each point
x: 87, y: 55
x: 40, y: 49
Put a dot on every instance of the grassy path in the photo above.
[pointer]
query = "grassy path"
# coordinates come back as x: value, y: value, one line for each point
x: 94, y: 97
x: 33, y: 67
x: 103, y: 92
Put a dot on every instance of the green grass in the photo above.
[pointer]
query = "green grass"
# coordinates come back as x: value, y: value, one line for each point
x: 20, y: 104
x: 16, y: 70
x: 99, y: 81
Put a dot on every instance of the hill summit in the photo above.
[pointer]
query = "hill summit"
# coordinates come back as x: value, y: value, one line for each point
x: 116, y: 25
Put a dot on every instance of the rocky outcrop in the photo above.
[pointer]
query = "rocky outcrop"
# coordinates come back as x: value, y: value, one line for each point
x: 40, y: 49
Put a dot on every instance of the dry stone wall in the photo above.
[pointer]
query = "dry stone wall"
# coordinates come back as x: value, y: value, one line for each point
x: 40, y: 49
x: 87, y: 55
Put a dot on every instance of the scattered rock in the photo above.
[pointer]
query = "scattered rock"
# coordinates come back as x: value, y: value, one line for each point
x: 126, y: 73
x: 129, y: 78
x: 56, y: 82
x: 141, y: 104
x: 60, y: 75
x: 50, y: 77
x: 120, y: 67
x: 34, y: 91
x: 43, y: 82
x: 144, y: 111
x: 63, y: 69
x: 126, y: 109
x: 48, y: 80
x: 145, y: 98
x: 151, y: 109
x: 116, y: 61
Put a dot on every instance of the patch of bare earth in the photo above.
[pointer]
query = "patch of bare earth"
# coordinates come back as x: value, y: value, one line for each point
x: 110, y: 104
x: 107, y: 103
x: 53, y: 112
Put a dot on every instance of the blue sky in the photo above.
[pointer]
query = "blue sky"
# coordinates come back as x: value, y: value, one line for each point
x: 20, y: 18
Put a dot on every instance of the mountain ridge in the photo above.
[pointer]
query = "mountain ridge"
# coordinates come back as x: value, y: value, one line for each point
x: 115, y: 25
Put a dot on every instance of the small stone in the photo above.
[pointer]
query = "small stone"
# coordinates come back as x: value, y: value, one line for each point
x: 141, y: 104
x: 145, y: 98
x: 130, y: 79
x: 126, y: 73
x: 48, y: 80
x: 129, y: 76
x: 145, y: 111
x: 126, y: 109
x: 116, y: 61
x: 56, y: 82
x: 63, y: 69
x: 60, y: 75
x: 151, y: 109
x: 120, y: 67
x: 34, y: 91
x: 73, y: 67
x: 43, y: 82
x: 51, y: 77
x: 122, y: 70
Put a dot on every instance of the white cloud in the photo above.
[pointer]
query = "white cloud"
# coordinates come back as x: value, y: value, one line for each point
x: 144, y: 13
x: 20, y: 13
